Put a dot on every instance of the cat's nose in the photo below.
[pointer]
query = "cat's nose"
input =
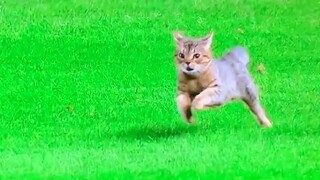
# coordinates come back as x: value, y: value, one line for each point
x: 187, y: 63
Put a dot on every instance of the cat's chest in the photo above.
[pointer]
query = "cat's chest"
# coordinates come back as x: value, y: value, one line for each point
x: 194, y: 86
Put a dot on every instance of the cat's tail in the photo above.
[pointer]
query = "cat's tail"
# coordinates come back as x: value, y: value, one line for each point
x: 239, y: 54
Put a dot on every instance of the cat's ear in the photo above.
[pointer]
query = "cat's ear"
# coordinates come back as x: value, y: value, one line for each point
x: 207, y: 41
x: 177, y: 36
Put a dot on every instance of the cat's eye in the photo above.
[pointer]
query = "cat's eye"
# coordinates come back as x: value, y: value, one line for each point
x: 197, y: 55
x: 181, y: 55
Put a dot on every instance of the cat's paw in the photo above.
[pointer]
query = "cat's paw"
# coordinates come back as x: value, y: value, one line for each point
x: 190, y: 121
x: 198, y: 104
x: 266, y: 124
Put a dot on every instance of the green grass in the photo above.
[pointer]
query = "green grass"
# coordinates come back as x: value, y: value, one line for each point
x: 88, y: 90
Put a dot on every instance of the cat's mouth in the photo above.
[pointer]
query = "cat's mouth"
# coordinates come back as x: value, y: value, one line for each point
x: 189, y: 69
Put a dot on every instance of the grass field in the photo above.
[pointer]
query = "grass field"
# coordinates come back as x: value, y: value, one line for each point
x: 88, y: 90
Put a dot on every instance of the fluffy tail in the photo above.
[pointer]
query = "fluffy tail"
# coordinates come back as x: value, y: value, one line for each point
x: 239, y: 54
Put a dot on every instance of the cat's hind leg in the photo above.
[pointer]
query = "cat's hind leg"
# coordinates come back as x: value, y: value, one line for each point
x: 251, y: 98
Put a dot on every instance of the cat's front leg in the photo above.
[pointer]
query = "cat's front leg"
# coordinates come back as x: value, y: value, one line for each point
x: 206, y: 99
x: 184, y: 107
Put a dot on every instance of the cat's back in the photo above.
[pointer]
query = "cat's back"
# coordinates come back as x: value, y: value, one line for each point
x: 225, y: 71
x: 235, y: 62
x: 237, y: 55
x: 233, y: 76
x: 233, y: 72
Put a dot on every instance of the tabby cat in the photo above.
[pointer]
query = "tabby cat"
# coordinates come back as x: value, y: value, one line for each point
x: 205, y: 82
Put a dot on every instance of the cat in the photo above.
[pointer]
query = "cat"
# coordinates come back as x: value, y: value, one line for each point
x: 205, y: 82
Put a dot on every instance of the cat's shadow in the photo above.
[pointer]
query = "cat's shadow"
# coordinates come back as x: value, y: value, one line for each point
x: 156, y: 132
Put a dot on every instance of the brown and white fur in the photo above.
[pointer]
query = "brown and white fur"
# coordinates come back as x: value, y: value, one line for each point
x: 205, y: 83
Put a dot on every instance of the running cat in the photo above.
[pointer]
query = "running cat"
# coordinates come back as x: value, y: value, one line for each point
x: 204, y: 82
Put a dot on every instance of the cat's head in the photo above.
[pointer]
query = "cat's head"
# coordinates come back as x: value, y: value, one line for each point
x: 192, y: 55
